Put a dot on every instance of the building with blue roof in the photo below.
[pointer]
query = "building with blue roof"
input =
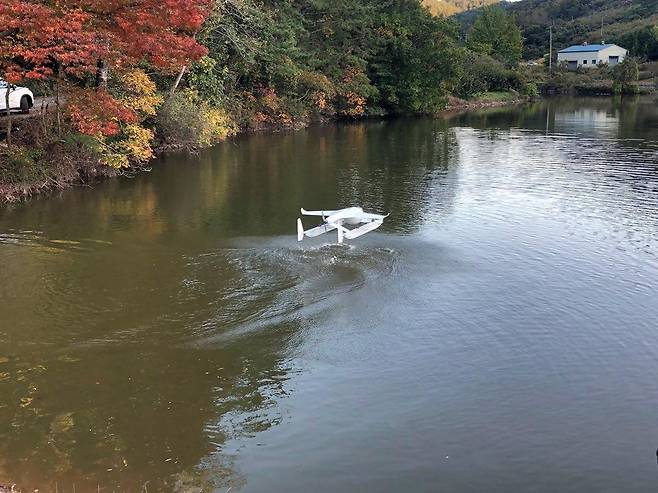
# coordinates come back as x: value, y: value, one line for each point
x: 587, y: 55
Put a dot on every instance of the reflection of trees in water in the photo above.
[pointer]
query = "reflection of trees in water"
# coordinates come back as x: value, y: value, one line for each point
x: 384, y: 166
x: 638, y: 118
x: 122, y: 418
x: 402, y: 167
x: 596, y: 117
x: 601, y: 151
x: 495, y: 120
x: 256, y: 185
x: 617, y: 141
x: 100, y: 373
x: 585, y: 117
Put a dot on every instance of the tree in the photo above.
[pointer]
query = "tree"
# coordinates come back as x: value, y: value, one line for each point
x: 626, y: 75
x: 40, y: 40
x: 160, y: 32
x: 69, y: 37
x: 642, y: 43
x: 416, y: 65
x: 481, y: 73
x: 495, y: 33
x: 73, y: 39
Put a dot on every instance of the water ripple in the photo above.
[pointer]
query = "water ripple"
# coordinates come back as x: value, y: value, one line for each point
x: 272, y: 286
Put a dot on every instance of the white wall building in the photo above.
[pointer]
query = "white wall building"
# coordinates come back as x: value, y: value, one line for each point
x: 591, y: 55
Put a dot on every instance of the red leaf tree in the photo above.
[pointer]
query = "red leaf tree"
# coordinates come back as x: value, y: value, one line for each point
x: 46, y: 38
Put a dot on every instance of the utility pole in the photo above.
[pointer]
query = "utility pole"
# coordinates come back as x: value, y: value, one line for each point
x: 550, y: 48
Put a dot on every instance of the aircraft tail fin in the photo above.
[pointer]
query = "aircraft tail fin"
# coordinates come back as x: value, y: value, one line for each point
x: 300, y: 230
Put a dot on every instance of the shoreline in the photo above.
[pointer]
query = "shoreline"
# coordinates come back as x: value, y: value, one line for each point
x: 458, y: 106
x: 83, y: 173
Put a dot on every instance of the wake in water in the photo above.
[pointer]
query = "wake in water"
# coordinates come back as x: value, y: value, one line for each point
x: 253, y: 288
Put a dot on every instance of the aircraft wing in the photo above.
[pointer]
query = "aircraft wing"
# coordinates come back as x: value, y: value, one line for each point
x: 317, y: 213
x: 361, y: 230
x: 374, y: 217
x: 325, y: 228
x: 349, y: 213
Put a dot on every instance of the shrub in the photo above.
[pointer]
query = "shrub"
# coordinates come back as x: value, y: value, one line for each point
x: 139, y: 93
x: 481, y: 73
x: 184, y: 121
x: 135, y: 146
x: 353, y: 93
x: 179, y: 121
x: 626, y: 75
x: 21, y: 164
x: 218, y: 125
x: 530, y: 90
x: 208, y: 77
x: 20, y: 156
x: 320, y: 89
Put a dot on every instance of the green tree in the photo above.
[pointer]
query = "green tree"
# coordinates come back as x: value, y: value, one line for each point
x: 626, y: 75
x: 283, y: 60
x: 642, y: 43
x: 495, y: 33
x: 481, y: 73
x: 418, y: 61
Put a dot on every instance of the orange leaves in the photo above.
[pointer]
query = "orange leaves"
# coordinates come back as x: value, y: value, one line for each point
x: 98, y: 113
x: 351, y: 73
x: 72, y: 35
x: 13, y: 74
x: 270, y: 99
x: 71, y: 40
x: 355, y: 105
x: 134, y: 145
x: 320, y: 100
x: 353, y: 93
x: 160, y: 31
x: 42, y: 37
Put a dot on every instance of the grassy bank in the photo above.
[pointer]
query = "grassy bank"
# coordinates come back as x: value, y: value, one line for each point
x: 641, y: 78
x: 33, y: 165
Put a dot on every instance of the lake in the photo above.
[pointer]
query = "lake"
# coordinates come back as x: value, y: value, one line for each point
x: 166, y: 332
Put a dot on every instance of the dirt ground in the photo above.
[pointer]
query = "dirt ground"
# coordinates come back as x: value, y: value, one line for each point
x: 48, y: 104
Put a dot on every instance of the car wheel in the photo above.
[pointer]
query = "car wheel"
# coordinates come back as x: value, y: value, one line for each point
x: 25, y: 104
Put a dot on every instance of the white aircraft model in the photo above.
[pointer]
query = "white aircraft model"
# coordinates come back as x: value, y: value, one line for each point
x: 354, y: 216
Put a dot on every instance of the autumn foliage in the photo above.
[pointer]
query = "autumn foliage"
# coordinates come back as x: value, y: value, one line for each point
x: 66, y: 43
x: 159, y: 31
x: 124, y: 73
x: 43, y: 37
x: 98, y: 113
x: 40, y: 39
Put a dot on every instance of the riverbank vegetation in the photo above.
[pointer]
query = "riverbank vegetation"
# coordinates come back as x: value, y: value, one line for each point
x: 627, y: 78
x: 125, y: 80
x: 128, y: 79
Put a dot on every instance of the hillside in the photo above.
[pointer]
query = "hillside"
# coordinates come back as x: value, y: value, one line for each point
x: 451, y: 7
x: 575, y: 22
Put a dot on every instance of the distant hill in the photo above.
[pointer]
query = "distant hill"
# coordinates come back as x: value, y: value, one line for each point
x: 579, y: 21
x: 575, y: 21
x: 451, y: 7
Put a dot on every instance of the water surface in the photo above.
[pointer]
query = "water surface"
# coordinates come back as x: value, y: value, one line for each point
x: 166, y: 332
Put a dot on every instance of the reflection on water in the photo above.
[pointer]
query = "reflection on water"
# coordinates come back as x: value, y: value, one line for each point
x: 167, y: 332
